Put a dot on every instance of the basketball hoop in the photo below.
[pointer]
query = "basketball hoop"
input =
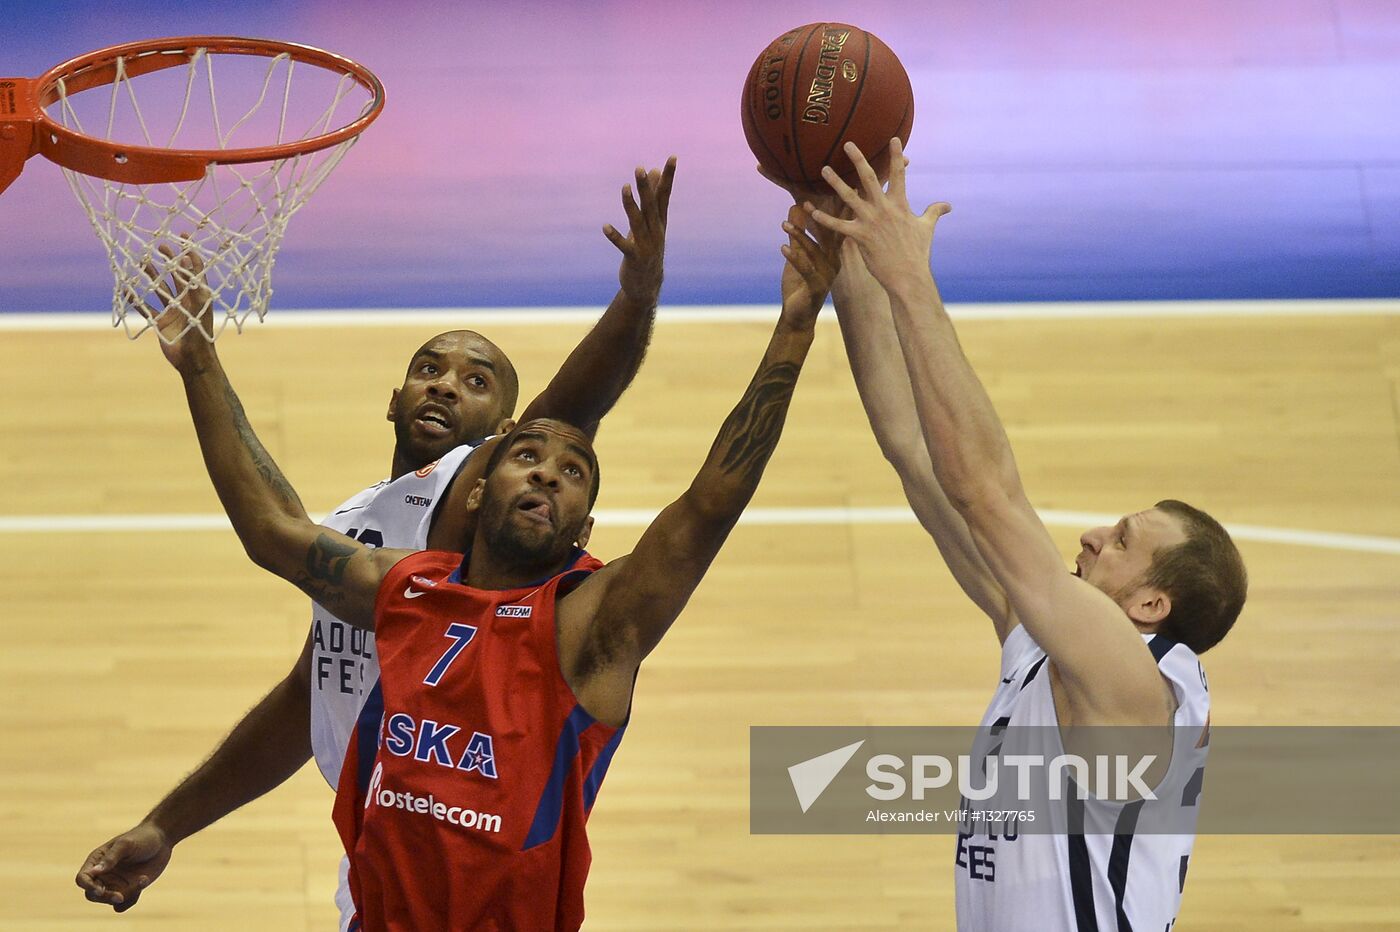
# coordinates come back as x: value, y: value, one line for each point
x: 172, y: 157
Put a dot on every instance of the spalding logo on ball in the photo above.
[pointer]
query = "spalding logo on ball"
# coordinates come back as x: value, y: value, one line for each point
x: 817, y: 87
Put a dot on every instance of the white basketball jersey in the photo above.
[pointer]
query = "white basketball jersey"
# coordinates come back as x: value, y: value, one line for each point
x: 344, y: 668
x: 1015, y: 881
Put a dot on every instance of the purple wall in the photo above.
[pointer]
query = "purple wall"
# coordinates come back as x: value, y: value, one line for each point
x: 1092, y: 150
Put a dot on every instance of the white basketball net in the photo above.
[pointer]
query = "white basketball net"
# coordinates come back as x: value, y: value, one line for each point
x: 234, y: 218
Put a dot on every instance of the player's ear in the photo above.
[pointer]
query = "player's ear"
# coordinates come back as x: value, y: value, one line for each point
x: 582, y: 540
x: 1149, y: 607
x: 506, y: 426
x: 475, y: 496
x: 393, y: 405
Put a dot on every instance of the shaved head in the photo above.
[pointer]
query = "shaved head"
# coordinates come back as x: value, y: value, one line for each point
x: 470, y: 340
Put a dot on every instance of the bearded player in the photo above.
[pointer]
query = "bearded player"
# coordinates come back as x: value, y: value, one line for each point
x: 506, y: 673
x: 459, y: 388
x: 1121, y: 635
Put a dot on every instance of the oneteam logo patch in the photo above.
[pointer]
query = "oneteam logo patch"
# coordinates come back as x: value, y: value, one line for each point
x: 513, y: 611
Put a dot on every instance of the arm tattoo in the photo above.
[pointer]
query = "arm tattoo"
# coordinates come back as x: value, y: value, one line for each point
x: 272, y: 476
x: 751, y: 431
x: 326, y: 561
x: 328, y: 558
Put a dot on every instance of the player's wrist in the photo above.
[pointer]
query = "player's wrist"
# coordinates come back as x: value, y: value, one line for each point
x: 164, y: 829
x: 911, y: 286
x: 644, y: 297
x: 197, y: 364
x: 797, y: 325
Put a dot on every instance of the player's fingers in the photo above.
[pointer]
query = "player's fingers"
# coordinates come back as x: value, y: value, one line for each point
x: 618, y: 240
x: 177, y: 268
x: 128, y: 901
x: 87, y: 874
x: 798, y: 260
x: 868, y: 179
x: 807, y: 256
x: 629, y: 205
x: 158, y: 284
x: 646, y: 198
x: 651, y: 200
x: 773, y: 178
x: 828, y: 240
x: 849, y: 196
x: 142, y: 306
x: 796, y: 233
x: 663, y: 193
x: 934, y: 211
x: 192, y: 260
x: 897, y: 165
x: 834, y: 224
x: 816, y: 281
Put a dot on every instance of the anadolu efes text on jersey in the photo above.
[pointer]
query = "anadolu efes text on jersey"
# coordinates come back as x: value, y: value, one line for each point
x: 467, y: 785
x: 344, y: 666
x: 1102, y: 871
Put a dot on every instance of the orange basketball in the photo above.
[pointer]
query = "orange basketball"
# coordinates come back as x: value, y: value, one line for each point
x: 817, y: 87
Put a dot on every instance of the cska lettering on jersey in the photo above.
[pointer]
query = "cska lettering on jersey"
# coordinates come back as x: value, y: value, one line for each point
x: 342, y: 651
x: 433, y: 742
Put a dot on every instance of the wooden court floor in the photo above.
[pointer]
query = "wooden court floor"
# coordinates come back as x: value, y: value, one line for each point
x: 128, y: 654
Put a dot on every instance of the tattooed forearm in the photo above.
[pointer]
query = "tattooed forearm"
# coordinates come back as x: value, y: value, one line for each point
x: 751, y: 431
x: 272, y: 476
x: 329, y: 597
x: 326, y: 561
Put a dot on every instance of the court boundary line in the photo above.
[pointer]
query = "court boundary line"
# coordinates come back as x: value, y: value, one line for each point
x: 761, y: 517
x: 741, y: 313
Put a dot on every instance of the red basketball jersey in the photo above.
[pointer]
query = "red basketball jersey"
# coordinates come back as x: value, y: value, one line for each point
x: 469, y: 780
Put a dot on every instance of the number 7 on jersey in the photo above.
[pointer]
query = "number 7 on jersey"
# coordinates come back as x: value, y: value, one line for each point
x: 461, y: 636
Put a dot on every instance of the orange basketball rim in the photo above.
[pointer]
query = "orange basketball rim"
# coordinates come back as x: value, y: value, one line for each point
x: 188, y: 179
x: 26, y: 129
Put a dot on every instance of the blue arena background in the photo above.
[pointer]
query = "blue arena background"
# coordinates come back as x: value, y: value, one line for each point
x: 1092, y: 150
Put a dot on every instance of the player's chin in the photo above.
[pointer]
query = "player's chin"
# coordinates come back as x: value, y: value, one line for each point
x: 430, y: 449
x: 527, y: 538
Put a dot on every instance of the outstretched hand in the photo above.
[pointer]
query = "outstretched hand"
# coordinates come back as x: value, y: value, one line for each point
x: 186, y: 308
x: 893, y: 241
x: 813, y: 262
x: 644, y: 247
x: 117, y: 872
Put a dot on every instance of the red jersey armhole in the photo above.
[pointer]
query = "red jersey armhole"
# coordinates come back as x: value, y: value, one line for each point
x: 569, y: 698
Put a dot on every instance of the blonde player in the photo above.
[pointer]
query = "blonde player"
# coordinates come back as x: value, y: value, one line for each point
x: 1114, y: 643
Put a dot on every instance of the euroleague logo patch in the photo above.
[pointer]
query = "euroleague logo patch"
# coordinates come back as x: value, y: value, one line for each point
x: 427, y: 469
x: 513, y: 611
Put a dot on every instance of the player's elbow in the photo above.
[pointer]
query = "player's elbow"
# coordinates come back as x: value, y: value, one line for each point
x: 905, y: 452
x: 976, y: 497
x: 713, y: 506
x: 972, y: 490
x: 262, y: 557
x: 271, y: 545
